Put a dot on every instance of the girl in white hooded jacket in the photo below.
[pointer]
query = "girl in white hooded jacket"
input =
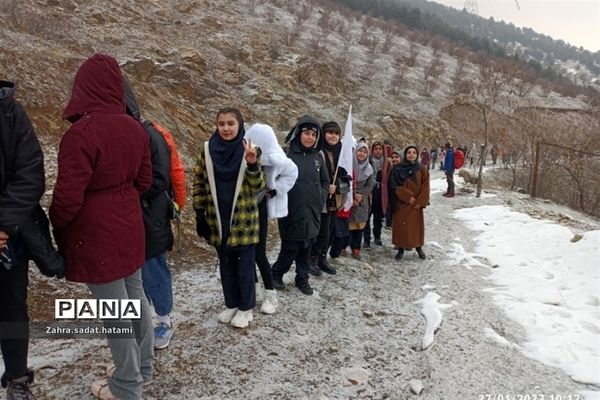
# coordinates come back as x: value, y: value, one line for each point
x: 280, y: 173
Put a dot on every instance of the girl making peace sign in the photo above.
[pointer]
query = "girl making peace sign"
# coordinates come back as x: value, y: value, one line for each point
x: 227, y: 179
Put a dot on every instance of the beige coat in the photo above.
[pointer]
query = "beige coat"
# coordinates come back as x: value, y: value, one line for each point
x: 408, y: 223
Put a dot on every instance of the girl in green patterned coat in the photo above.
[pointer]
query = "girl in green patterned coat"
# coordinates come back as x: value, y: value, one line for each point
x: 227, y: 179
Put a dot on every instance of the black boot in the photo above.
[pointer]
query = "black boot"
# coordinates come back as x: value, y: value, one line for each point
x: 325, y: 266
x: 313, y: 268
x: 421, y: 253
x: 399, y: 254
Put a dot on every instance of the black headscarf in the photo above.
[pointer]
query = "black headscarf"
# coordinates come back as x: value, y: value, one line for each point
x: 404, y: 170
x: 227, y: 154
x: 227, y: 157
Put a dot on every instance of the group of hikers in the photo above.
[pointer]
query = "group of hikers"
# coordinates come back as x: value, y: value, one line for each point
x: 121, y: 182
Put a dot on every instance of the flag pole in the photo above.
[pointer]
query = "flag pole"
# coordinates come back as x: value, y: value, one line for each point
x: 338, y: 166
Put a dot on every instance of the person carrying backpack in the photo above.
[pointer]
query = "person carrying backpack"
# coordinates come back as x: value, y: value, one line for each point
x: 449, y: 169
x: 157, y: 211
x: 21, y: 188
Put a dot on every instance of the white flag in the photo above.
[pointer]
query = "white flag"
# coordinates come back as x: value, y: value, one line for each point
x: 346, y: 160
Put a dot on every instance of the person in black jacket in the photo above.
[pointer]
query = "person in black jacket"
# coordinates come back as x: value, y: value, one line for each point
x: 21, y: 188
x: 305, y: 201
x: 332, y: 147
x: 157, y: 209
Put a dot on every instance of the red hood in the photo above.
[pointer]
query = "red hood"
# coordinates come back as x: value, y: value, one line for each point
x: 98, y: 86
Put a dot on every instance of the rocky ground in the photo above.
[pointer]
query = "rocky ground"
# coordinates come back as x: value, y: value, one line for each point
x: 358, y: 337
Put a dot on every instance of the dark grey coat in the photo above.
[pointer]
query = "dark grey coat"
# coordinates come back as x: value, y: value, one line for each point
x: 307, y: 197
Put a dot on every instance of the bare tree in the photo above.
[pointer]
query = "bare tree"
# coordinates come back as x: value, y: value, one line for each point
x: 251, y: 6
x: 388, y: 42
x: 413, y: 50
x: 432, y: 72
x: 399, y: 78
x: 292, y: 34
x: 317, y: 43
x: 303, y: 13
x: 343, y: 63
x: 490, y: 88
x: 325, y: 20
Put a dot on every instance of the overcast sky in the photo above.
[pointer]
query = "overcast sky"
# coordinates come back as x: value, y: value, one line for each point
x: 577, y: 22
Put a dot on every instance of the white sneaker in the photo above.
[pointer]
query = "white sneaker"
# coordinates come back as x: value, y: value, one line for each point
x: 227, y: 315
x: 270, y: 303
x: 241, y: 319
x: 259, y: 292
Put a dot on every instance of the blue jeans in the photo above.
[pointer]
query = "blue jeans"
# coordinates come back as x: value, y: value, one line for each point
x: 158, y: 285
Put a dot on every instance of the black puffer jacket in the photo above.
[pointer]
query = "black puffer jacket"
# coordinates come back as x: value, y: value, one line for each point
x: 157, y: 206
x: 21, y: 170
x: 307, y: 197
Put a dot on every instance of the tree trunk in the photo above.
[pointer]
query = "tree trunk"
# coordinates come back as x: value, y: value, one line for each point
x: 484, y: 152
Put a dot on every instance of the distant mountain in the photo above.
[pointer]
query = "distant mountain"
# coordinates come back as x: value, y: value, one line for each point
x: 549, y: 57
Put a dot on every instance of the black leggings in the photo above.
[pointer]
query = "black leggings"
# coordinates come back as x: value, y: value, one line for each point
x: 261, y: 248
x: 13, y: 308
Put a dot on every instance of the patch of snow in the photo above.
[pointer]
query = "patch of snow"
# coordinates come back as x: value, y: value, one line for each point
x: 545, y: 282
x: 433, y: 316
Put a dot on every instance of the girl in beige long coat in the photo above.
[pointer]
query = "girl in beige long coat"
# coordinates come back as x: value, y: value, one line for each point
x: 409, y: 183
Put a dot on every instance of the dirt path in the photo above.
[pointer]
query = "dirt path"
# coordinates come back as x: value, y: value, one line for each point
x: 358, y: 337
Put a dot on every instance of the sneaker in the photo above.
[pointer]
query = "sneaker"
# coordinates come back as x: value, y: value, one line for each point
x: 278, y: 283
x: 421, y: 253
x: 227, y: 315
x: 366, y: 245
x: 162, y: 336
x: 18, y: 388
x: 356, y: 254
x: 305, y: 288
x: 378, y: 242
x: 399, y: 254
x: 270, y: 303
x: 242, y: 318
x: 325, y: 266
x: 100, y: 390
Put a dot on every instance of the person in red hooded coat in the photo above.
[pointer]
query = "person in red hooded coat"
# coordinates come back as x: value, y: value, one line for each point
x: 103, y: 167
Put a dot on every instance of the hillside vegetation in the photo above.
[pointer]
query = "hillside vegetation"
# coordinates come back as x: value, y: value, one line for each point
x: 276, y: 60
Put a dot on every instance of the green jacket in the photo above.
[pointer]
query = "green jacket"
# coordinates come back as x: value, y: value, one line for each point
x: 244, y: 218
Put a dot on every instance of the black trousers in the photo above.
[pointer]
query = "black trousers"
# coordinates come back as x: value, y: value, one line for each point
x: 293, y: 250
x: 325, y: 237
x: 450, y: 181
x: 237, y: 276
x: 378, y: 216
x: 13, y: 308
x: 356, y: 239
x: 262, y: 262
